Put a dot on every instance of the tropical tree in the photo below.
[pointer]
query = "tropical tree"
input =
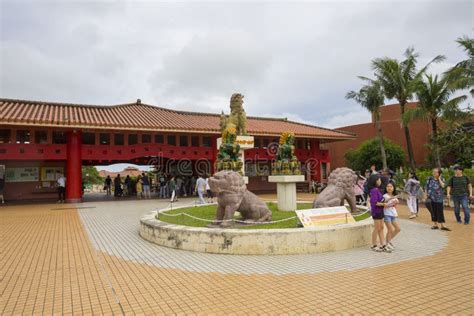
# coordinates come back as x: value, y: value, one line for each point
x: 461, y: 76
x: 368, y: 154
x: 435, y: 101
x: 399, y: 80
x: 371, y: 97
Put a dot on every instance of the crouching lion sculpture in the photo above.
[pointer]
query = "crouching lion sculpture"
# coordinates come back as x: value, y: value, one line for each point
x: 340, y: 187
x: 233, y: 196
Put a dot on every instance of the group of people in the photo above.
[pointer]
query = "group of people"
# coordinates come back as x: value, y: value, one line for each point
x: 167, y: 186
x: 384, y: 200
x: 141, y: 187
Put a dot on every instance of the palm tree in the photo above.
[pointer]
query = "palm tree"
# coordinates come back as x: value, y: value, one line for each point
x: 435, y: 102
x: 371, y: 97
x: 461, y: 75
x: 399, y: 80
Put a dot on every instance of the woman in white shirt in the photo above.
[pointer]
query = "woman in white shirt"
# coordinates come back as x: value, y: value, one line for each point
x: 390, y: 214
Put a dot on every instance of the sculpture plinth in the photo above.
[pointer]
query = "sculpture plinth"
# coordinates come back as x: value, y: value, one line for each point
x: 245, y: 142
x: 286, y: 191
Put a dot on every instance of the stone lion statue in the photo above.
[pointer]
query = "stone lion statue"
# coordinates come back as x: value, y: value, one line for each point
x: 237, y: 118
x: 233, y: 196
x: 340, y: 187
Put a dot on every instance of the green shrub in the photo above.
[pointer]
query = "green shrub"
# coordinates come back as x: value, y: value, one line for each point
x: 368, y: 153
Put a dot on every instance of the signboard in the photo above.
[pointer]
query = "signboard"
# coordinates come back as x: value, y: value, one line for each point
x: 27, y: 174
x: 245, y: 142
x: 325, y: 216
x: 51, y: 173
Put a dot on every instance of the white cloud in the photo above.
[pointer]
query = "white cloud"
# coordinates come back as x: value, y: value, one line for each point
x: 295, y: 60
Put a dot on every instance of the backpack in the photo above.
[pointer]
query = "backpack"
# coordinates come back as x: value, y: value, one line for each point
x: 366, y: 187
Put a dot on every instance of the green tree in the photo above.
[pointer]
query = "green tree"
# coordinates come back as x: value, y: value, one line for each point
x: 90, y: 175
x: 456, y: 143
x: 399, y: 80
x: 436, y: 102
x: 371, y: 97
x: 368, y: 154
x: 461, y: 76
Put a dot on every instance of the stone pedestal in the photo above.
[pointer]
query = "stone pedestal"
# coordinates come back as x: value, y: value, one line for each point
x: 286, y: 191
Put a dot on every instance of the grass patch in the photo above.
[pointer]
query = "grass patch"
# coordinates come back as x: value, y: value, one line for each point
x: 208, y: 212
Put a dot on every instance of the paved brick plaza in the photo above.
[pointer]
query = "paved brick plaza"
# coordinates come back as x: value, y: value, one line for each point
x: 57, y: 258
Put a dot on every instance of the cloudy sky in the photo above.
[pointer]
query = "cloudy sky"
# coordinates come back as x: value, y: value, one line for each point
x: 289, y: 60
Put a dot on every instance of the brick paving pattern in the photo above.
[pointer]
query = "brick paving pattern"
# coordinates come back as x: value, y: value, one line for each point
x: 50, y: 265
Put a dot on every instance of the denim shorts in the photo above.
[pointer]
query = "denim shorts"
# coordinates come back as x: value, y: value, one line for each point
x: 388, y: 218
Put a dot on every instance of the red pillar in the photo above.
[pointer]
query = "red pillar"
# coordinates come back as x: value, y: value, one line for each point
x: 74, y: 167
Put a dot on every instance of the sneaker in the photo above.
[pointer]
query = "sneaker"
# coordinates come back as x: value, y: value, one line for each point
x: 459, y: 222
x: 446, y: 229
x: 390, y: 245
x: 376, y: 248
x: 412, y: 216
x: 466, y: 223
x: 386, y: 249
x: 434, y: 227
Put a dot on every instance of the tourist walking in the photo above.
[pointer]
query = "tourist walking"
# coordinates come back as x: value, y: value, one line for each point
x: 179, y: 186
x: 435, y: 199
x: 139, y: 187
x: 146, y: 186
x: 376, y: 210
x: 208, y: 190
x: 118, y: 186
x: 127, y: 186
x: 108, y: 185
x: 201, y: 189
x: 390, y: 214
x: 359, y: 189
x: 192, y: 186
x: 460, y: 190
x: 163, y: 186
x: 172, y: 188
x: 412, y: 189
x: 61, y: 188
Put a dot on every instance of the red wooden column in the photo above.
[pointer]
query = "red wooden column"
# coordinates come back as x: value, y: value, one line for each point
x: 74, y: 167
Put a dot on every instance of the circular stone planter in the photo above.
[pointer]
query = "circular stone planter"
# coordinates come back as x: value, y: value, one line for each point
x: 256, y: 241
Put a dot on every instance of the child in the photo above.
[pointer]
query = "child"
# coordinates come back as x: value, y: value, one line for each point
x: 376, y: 210
x: 390, y: 214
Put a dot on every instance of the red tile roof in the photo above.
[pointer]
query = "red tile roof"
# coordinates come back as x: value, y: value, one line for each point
x: 139, y: 116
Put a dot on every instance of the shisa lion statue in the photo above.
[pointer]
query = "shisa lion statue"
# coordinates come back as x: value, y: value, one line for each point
x: 286, y: 162
x: 233, y: 196
x: 340, y: 188
x: 228, y: 155
x: 237, y: 118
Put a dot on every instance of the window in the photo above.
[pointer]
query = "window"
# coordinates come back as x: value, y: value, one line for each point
x: 324, y: 171
x: 22, y: 136
x: 195, y: 141
x: 207, y: 141
x: 5, y: 136
x: 266, y: 142
x: 257, y: 143
x: 183, y: 140
x: 172, y: 140
x: 146, y: 138
x: 41, y: 137
x: 119, y: 139
x: 132, y: 139
x: 104, y: 138
x: 59, y: 138
x: 88, y: 138
x: 159, y: 139
x: 308, y: 144
x: 299, y: 144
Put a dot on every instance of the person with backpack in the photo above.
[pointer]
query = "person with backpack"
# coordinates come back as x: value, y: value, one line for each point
x: 412, y: 188
x: 460, y: 190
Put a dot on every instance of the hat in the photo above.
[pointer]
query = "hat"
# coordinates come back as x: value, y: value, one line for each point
x: 458, y: 167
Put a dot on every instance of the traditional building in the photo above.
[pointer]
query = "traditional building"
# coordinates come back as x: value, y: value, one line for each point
x: 40, y: 140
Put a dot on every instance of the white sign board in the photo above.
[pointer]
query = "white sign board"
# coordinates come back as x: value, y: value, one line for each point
x: 325, y: 216
x: 28, y: 174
